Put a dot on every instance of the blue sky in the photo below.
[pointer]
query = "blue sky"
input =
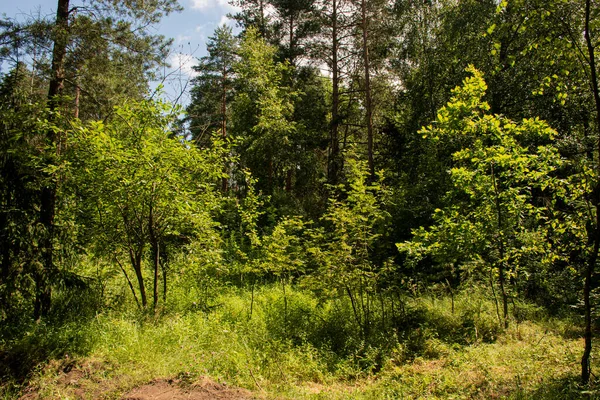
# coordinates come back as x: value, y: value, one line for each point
x: 190, y: 29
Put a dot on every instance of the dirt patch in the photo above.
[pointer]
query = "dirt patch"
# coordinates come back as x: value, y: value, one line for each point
x: 204, y: 389
x: 94, y: 379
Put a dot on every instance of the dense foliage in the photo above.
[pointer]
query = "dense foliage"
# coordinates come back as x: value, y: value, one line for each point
x: 339, y: 161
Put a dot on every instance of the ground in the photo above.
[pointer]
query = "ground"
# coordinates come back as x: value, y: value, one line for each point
x: 74, y: 381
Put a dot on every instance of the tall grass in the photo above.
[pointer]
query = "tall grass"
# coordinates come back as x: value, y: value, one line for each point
x: 296, y: 345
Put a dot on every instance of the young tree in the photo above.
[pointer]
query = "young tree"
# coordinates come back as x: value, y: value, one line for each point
x: 118, y: 26
x: 344, y: 248
x: 128, y: 171
x: 492, y: 215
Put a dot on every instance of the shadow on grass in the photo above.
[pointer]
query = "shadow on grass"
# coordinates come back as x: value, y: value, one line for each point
x: 567, y: 388
x: 24, y: 353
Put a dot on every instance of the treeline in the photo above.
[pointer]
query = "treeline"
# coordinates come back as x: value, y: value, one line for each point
x: 359, y: 148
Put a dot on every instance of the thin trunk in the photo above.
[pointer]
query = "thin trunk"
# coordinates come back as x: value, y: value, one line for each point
x: 164, y: 273
x: 136, y: 263
x: 355, y: 310
x: 382, y: 303
x: 501, y: 279
x: 5, y: 266
x: 224, y: 122
x: 291, y: 57
x: 77, y: 95
x: 494, y: 294
x: 334, y: 166
x: 451, y: 291
x: 156, y: 259
x: 368, y: 100
x: 285, y: 308
x: 48, y: 194
x: 587, y: 289
x: 155, y: 249
x: 251, y: 300
x: 33, y: 68
x: 128, y: 282
x: 288, y: 180
x: 501, y: 250
x: 263, y: 27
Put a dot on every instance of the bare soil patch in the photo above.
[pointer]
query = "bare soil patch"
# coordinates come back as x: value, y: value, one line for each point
x: 91, y: 379
x: 202, y: 390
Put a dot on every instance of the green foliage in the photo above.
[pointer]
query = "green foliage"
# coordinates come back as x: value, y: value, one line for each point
x: 213, y: 89
x: 128, y: 171
x: 436, y: 351
x: 25, y: 161
x: 276, y: 280
x: 262, y: 112
x: 342, y: 249
x: 495, y: 216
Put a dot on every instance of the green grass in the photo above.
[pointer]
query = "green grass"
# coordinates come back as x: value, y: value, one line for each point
x: 312, y: 351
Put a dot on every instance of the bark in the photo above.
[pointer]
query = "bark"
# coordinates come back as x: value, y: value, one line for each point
x: 224, y: 121
x: 164, y: 273
x: 291, y: 56
x: 77, y: 95
x: 263, y: 25
x: 334, y: 164
x: 368, y: 99
x: 589, y: 272
x: 128, y: 282
x: 501, y: 250
x: 155, y: 249
x: 48, y: 196
x: 136, y: 262
x: 288, y: 180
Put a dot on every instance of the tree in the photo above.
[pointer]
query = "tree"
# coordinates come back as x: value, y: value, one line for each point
x: 119, y: 26
x: 492, y: 216
x: 128, y: 171
x: 263, y: 112
x: 294, y: 25
x: 254, y: 14
x: 213, y: 88
x: 20, y: 183
x: 344, y: 248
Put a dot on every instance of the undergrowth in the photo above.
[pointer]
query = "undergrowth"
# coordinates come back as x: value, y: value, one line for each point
x: 290, y: 345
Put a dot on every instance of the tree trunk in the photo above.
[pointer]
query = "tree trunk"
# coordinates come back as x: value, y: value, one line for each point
x: 164, y: 273
x: 501, y: 249
x: 334, y: 164
x: 155, y: 254
x: 368, y: 100
x: 136, y: 263
x: 224, y: 122
x: 502, y: 280
x: 77, y: 95
x: 288, y: 180
x: 48, y: 196
x: 595, y: 232
x: 156, y: 260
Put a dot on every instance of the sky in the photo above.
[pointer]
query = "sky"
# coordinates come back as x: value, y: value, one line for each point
x: 189, y: 29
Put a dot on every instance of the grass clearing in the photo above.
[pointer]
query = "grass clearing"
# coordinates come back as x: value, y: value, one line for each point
x: 435, y: 354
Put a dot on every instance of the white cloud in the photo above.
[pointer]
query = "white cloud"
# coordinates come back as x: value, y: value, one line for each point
x: 224, y: 20
x: 183, y: 38
x: 184, y: 63
x: 204, y: 4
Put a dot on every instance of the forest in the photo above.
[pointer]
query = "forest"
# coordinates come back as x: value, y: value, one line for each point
x: 363, y: 199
